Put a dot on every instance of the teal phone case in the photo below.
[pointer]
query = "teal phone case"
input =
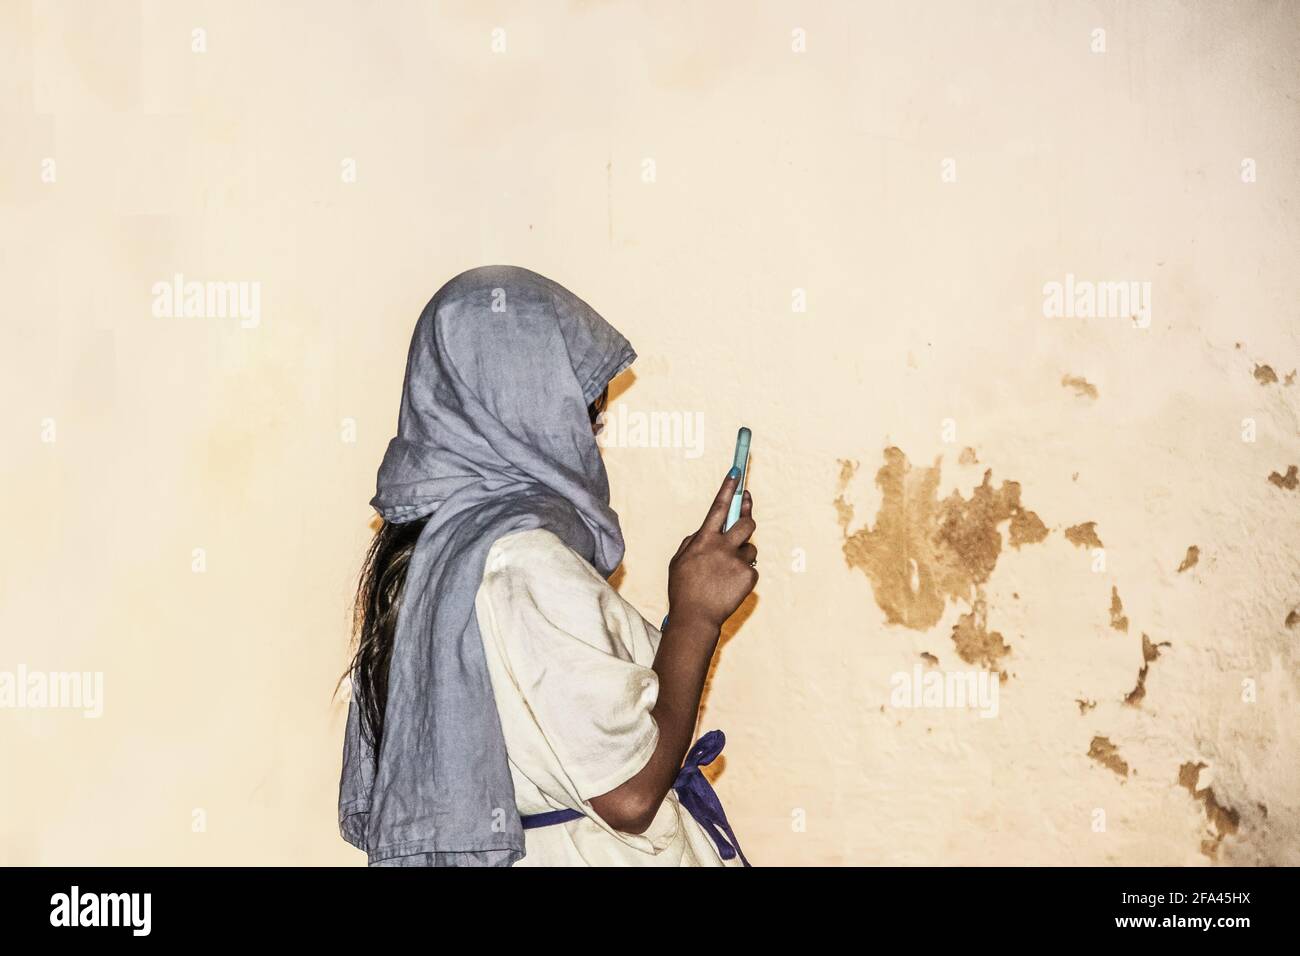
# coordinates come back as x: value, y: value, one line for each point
x: 741, y: 461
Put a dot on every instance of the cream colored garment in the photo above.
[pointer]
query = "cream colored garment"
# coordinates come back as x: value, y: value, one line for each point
x: 570, y: 663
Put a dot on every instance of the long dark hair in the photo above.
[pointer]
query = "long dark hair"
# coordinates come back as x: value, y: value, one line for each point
x: 379, y: 599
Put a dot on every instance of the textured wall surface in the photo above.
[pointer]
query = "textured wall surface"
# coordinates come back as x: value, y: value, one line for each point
x: 838, y: 223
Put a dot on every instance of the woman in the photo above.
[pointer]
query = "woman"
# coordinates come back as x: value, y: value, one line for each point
x: 507, y: 704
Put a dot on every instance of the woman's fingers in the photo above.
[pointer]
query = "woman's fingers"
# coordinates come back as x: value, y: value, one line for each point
x: 718, y: 510
x: 713, y: 571
x: 740, y: 531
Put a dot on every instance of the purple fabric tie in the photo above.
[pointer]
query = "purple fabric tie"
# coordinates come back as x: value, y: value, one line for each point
x: 694, y: 792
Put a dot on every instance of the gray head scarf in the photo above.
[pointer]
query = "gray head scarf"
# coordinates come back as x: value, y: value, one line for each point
x: 493, y: 438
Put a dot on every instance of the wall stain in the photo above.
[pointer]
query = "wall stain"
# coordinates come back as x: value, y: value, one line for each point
x: 1025, y: 528
x: 1293, y: 617
x: 923, y: 552
x: 1106, y: 754
x: 1084, y: 535
x: 1222, y: 820
x: 1082, y: 387
x: 976, y: 644
x: 843, y: 511
x: 1193, y: 557
x: 1084, y: 705
x: 1150, y: 652
x: 1265, y: 375
x: 1117, y: 619
x: 968, y: 457
x: 1289, y: 481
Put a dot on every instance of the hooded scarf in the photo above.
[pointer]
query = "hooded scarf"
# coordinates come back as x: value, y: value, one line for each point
x: 493, y: 438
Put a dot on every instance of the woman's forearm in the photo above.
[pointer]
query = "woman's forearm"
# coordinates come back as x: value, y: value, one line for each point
x: 682, y: 664
x: 709, y: 576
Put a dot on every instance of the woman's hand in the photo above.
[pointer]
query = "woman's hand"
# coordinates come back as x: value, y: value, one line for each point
x: 713, y: 572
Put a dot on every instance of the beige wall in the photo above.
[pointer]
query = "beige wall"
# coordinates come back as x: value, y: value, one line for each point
x: 130, y: 440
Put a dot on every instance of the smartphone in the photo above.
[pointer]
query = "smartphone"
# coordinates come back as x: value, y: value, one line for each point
x: 741, y: 461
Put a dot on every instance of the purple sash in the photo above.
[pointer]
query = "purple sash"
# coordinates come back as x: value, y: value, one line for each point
x: 693, y: 792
